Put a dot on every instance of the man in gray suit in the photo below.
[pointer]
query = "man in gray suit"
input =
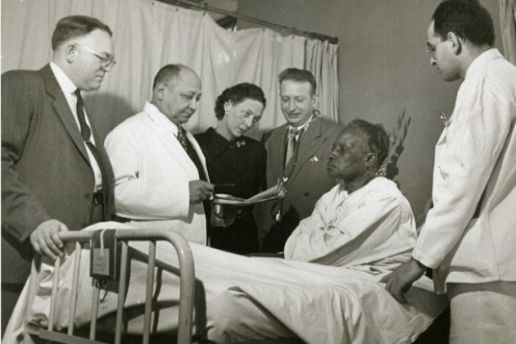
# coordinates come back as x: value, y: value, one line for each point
x: 55, y: 173
x: 297, y: 154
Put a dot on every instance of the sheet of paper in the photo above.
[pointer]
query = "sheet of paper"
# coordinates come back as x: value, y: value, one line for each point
x: 275, y: 192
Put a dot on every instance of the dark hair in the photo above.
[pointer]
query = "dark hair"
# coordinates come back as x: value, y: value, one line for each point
x: 377, y: 138
x: 236, y: 94
x: 168, y: 72
x: 300, y: 75
x: 76, y: 26
x: 467, y: 19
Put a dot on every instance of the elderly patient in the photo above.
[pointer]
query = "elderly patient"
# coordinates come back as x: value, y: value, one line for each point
x: 364, y: 222
x: 326, y: 291
x: 364, y: 215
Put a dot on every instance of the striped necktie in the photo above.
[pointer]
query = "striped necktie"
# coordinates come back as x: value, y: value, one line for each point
x: 181, y: 137
x: 292, y: 143
x: 86, y: 136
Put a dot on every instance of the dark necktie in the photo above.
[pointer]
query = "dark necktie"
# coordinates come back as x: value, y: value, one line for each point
x: 181, y: 137
x: 190, y: 150
x: 86, y: 135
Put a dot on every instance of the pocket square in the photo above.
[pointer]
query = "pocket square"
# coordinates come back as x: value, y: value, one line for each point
x: 314, y: 159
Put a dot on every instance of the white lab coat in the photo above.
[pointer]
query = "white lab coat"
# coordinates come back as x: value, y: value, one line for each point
x: 152, y: 174
x: 470, y: 234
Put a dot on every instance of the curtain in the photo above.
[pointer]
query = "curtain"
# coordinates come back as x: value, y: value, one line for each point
x: 148, y: 35
x: 321, y: 59
x: 508, y: 28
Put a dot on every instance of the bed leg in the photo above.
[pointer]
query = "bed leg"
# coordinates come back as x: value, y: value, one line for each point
x: 148, y: 292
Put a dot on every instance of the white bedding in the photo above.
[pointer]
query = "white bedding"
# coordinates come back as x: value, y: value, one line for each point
x: 320, y: 304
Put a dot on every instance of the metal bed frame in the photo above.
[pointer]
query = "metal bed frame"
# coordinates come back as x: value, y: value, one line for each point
x: 187, y: 280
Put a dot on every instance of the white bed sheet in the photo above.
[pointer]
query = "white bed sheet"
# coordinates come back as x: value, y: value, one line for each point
x: 320, y: 304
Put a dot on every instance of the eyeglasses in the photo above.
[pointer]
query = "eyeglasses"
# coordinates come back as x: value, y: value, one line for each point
x: 108, y: 61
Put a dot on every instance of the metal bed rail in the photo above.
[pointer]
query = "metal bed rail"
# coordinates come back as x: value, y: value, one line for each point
x: 186, y: 293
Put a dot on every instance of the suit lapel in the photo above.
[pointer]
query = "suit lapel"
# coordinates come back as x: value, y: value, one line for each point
x: 199, y: 152
x: 308, y: 145
x: 63, y: 110
x: 277, y: 151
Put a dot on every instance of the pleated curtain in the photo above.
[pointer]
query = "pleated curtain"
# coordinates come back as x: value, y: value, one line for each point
x: 148, y: 35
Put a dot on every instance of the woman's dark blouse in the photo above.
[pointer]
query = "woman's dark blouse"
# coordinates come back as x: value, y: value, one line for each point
x: 240, y: 162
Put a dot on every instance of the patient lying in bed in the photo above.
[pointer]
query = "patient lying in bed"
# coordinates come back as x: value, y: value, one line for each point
x: 325, y: 291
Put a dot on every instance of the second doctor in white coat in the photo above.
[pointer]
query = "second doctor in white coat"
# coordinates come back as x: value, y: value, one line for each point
x: 160, y: 172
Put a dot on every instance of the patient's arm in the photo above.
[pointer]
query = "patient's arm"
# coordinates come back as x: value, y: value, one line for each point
x: 372, y: 228
x: 315, y: 237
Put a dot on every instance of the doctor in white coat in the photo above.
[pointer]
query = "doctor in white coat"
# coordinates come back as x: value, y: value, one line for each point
x: 160, y: 172
x: 469, y: 236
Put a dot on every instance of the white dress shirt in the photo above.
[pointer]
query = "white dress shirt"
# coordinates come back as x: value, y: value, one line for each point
x: 68, y: 88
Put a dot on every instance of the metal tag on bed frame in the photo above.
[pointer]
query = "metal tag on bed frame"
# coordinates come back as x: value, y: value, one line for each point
x: 104, y: 255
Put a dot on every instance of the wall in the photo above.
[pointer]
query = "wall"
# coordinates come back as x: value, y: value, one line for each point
x: 383, y: 69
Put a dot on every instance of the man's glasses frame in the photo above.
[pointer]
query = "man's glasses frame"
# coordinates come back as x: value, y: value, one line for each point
x: 108, y: 61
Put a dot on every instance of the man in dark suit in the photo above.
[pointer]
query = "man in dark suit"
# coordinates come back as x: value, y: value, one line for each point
x: 297, y: 153
x: 55, y: 173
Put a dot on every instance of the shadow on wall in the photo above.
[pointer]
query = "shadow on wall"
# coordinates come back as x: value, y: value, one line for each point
x: 397, y: 136
x: 107, y: 111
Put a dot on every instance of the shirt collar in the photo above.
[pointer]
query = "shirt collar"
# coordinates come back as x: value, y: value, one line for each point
x: 63, y: 80
x: 301, y: 127
x: 218, y: 138
x: 481, y: 60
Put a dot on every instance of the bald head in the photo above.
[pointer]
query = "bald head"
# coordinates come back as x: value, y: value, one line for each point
x: 176, y: 92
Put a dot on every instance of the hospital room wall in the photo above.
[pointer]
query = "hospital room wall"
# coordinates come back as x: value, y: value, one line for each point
x: 383, y: 70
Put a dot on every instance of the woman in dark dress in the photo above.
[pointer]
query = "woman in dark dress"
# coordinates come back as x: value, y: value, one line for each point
x: 236, y: 165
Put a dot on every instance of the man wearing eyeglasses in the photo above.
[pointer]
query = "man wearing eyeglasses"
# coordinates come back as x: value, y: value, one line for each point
x: 55, y: 173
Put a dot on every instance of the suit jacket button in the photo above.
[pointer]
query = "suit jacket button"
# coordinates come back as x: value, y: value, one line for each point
x: 306, y: 194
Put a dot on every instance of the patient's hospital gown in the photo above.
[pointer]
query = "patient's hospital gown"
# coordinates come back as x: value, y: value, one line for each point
x: 337, y: 301
x: 373, y: 225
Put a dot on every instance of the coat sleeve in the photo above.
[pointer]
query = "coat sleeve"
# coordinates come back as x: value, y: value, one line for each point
x: 142, y: 191
x: 22, y: 212
x: 473, y: 144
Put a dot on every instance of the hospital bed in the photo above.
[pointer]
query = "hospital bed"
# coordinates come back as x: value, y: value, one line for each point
x: 82, y: 239
x: 322, y: 284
